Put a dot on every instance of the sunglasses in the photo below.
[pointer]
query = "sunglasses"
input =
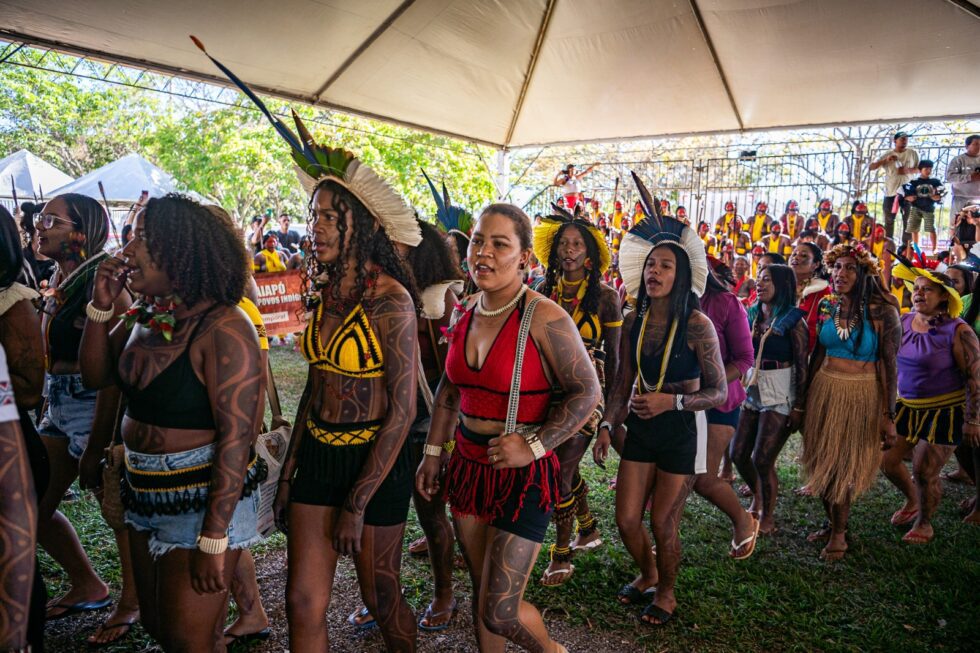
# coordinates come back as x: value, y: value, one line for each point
x: 47, y: 220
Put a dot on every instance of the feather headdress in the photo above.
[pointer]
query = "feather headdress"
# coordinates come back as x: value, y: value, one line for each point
x: 315, y: 162
x: 451, y: 218
x: 546, y: 232
x: 908, y: 272
x: 657, y: 229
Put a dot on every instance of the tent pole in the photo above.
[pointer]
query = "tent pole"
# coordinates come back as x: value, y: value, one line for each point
x: 966, y: 6
x: 538, y: 43
x: 503, y: 174
x: 714, y: 57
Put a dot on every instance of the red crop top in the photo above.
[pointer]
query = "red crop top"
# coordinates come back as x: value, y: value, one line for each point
x: 483, y: 392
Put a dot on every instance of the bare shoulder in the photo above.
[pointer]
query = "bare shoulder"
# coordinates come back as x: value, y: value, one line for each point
x: 700, y: 328
x: 545, y: 311
x: 391, y: 299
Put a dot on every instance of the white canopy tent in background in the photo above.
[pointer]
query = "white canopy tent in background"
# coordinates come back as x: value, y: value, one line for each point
x: 512, y: 73
x: 123, y: 180
x: 30, y: 175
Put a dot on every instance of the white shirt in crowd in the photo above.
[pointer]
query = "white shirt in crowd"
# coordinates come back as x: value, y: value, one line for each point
x: 893, y: 180
x: 958, y: 177
x: 8, y: 409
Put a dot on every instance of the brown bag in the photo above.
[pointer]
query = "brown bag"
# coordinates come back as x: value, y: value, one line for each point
x: 112, y: 506
x: 272, y: 447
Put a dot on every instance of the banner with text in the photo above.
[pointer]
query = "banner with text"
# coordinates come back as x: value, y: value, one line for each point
x: 280, y: 302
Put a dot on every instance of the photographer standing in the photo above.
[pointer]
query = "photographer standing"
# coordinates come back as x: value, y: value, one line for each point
x: 964, y: 234
x: 963, y: 175
x: 899, y: 164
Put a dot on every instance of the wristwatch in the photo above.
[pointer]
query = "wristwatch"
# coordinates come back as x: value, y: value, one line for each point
x: 678, y: 402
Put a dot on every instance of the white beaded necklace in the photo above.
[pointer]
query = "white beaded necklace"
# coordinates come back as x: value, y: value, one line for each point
x: 503, y: 309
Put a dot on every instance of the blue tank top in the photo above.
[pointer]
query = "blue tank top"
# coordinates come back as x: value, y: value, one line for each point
x: 866, y: 351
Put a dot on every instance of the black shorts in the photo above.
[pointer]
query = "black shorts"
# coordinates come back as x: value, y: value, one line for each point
x: 941, y: 425
x: 669, y: 440
x: 721, y: 418
x: 325, y: 475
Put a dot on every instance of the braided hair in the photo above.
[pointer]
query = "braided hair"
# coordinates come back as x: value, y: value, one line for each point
x: 369, y: 240
x: 199, y: 249
x: 593, y: 280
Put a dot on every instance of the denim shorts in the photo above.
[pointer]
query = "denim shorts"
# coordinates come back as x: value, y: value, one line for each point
x: 754, y: 402
x: 168, y: 532
x: 70, y: 411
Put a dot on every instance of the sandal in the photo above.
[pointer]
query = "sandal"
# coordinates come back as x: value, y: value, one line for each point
x: 903, y: 517
x: 126, y: 627
x: 915, y: 537
x: 245, y: 639
x: 69, y: 609
x: 585, y: 548
x: 419, y: 547
x: 565, y: 574
x: 362, y: 619
x: 751, y: 541
x: 431, y: 616
x: 630, y: 594
x: 656, y: 612
x: 832, y: 555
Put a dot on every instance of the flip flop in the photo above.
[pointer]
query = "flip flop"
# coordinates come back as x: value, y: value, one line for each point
x: 566, y: 573
x: 352, y: 619
x: 248, y: 638
x: 744, y: 490
x: 662, y: 616
x: 419, y: 547
x: 803, y: 491
x: 126, y: 626
x: 903, y: 517
x: 957, y: 477
x: 430, y: 615
x: 69, y: 609
x: 751, y: 540
x: 913, y: 537
x: 585, y: 548
x: 633, y: 595
x: 832, y: 555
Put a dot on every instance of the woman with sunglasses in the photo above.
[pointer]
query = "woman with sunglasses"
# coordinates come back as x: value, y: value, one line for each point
x: 72, y: 231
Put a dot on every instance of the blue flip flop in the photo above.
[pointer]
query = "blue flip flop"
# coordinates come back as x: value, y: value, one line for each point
x: 69, y: 609
x: 430, y: 615
x: 360, y: 614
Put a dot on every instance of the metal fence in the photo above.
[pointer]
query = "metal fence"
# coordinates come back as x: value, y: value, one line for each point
x: 704, y: 185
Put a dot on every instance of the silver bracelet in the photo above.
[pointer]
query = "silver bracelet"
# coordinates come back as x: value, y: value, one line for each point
x: 98, y: 315
x: 432, y: 450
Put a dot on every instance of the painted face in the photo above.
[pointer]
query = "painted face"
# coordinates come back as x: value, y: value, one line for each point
x: 703, y: 228
x: 681, y: 213
x: 494, y: 256
x: 659, y: 272
x: 761, y: 208
x: 793, y: 207
x: 802, y: 262
x: 958, y: 277
x: 145, y: 276
x: 618, y: 206
x: 861, y: 209
x: 325, y: 227
x: 776, y: 229
x: 664, y: 206
x: 54, y: 229
x: 741, y: 267
x: 844, y: 231
x: 571, y: 250
x: 765, y: 287
x: 879, y: 234
x: 271, y: 243
x: 824, y: 207
x: 844, y: 274
x: 928, y: 298
x: 729, y: 207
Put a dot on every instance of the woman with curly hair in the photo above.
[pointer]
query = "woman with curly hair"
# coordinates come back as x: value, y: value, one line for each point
x: 72, y: 231
x: 507, y: 352
x: 187, y: 359
x: 775, y: 389
x: 575, y: 256
x: 938, y: 396
x: 850, y: 405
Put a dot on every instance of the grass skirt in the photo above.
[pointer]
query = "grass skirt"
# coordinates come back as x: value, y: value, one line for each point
x: 841, y: 445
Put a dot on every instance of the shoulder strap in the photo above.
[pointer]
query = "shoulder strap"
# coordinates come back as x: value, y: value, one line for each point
x: 513, y: 399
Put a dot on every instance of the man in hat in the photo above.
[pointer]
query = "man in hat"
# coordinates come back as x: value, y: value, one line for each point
x: 759, y: 223
x: 921, y: 194
x: 860, y: 223
x: 899, y: 164
x: 963, y: 175
x: 792, y: 221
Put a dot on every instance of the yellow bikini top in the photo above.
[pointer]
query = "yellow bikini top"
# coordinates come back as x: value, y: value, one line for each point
x: 352, y: 350
x: 588, y: 324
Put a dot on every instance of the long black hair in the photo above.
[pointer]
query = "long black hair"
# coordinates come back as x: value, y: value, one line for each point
x: 370, y: 243
x: 88, y: 217
x: 682, y: 297
x: 593, y: 280
x: 784, y: 283
x: 431, y: 260
x: 11, y: 252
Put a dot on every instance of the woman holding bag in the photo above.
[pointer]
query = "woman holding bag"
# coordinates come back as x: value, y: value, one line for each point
x: 506, y: 352
x: 775, y: 388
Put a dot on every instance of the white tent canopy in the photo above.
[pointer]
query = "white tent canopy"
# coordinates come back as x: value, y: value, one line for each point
x: 31, y: 176
x: 123, y: 181
x: 522, y: 72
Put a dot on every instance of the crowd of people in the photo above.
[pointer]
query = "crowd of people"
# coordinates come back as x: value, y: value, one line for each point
x: 473, y: 364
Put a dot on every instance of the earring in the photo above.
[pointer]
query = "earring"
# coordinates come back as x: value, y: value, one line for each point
x: 588, y: 264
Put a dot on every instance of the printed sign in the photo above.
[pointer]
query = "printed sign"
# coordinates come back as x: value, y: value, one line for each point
x: 280, y: 302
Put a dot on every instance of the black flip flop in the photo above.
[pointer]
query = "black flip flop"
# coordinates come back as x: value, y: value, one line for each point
x: 657, y: 613
x: 363, y: 612
x: 69, y: 609
x: 248, y: 638
x: 633, y: 595
x: 127, y: 627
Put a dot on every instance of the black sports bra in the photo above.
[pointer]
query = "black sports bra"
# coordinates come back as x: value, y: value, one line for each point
x: 175, y: 398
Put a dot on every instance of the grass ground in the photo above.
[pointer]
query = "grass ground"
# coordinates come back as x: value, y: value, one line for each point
x: 884, y: 596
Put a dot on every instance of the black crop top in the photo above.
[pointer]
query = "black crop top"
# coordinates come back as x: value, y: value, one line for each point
x: 683, y: 364
x: 175, y: 398
x: 778, y: 348
x: 67, y: 320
